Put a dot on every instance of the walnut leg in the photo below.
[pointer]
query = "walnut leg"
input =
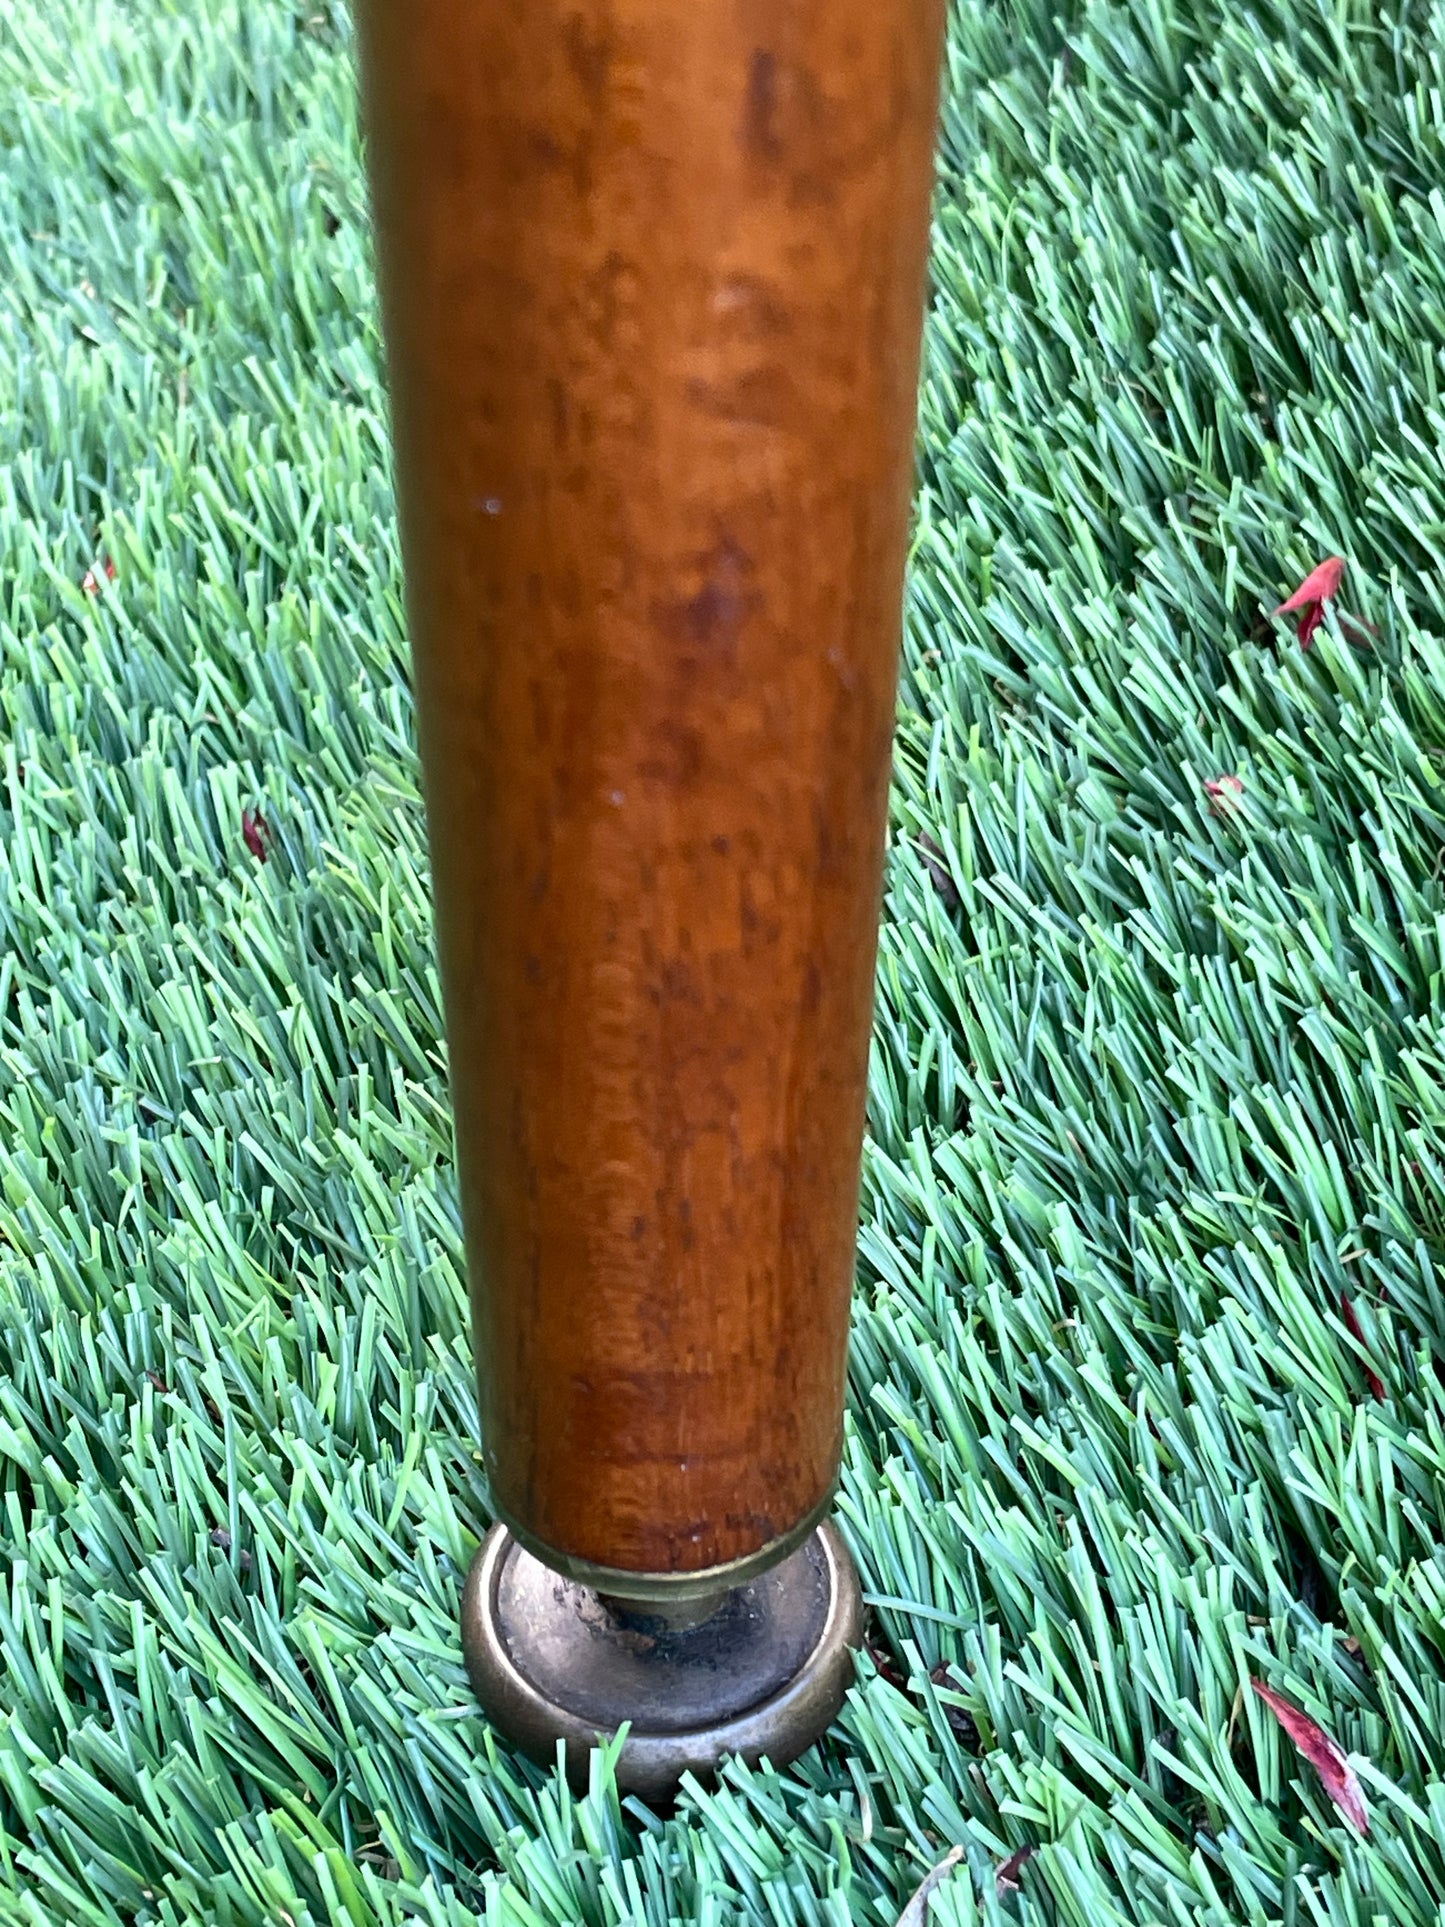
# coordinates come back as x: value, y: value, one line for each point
x: 652, y: 278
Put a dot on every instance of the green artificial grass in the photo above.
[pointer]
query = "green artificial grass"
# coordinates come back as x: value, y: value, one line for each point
x: 1159, y: 1082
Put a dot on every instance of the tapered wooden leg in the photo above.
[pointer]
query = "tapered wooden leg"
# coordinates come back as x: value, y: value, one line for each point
x: 652, y: 276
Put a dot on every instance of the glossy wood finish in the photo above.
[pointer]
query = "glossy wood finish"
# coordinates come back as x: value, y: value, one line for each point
x: 652, y: 278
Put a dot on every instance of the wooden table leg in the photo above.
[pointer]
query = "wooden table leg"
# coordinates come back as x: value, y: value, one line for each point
x: 652, y: 277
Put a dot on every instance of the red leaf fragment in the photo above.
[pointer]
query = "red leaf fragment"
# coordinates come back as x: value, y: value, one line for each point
x: 1309, y: 1738
x: 1377, y: 1384
x: 886, y: 1666
x: 1006, y: 1880
x: 1320, y: 586
x: 90, y: 581
x: 1224, y: 793
x: 257, y: 833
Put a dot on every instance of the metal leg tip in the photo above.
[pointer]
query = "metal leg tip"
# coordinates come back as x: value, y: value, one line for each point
x: 758, y: 1671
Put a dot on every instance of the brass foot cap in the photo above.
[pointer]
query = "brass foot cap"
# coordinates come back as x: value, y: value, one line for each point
x: 759, y: 1674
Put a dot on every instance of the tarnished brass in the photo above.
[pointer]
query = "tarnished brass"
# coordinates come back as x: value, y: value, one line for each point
x: 678, y: 1589
x: 760, y: 1672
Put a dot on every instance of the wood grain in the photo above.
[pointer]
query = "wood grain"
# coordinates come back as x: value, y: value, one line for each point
x: 652, y: 278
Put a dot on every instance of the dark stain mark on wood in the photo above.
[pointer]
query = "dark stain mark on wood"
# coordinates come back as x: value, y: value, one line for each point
x: 590, y: 58
x: 760, y: 134
x: 712, y: 617
x: 561, y: 415
x: 758, y: 398
x: 608, y: 296
x: 676, y: 756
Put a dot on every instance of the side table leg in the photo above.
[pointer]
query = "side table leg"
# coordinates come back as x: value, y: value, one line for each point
x: 652, y: 280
